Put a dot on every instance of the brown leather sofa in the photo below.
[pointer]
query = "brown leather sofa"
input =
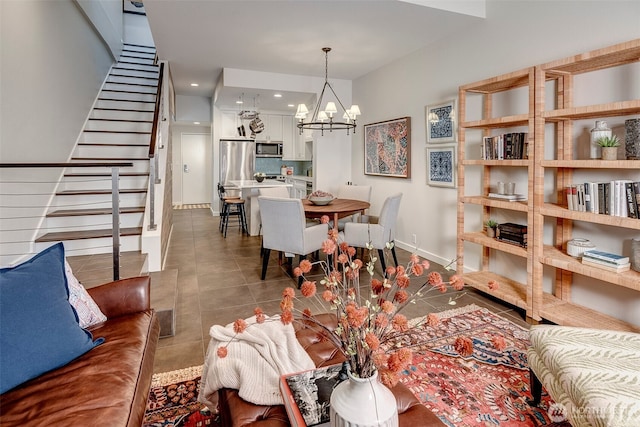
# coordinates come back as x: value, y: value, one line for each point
x: 235, y: 412
x: 109, y: 385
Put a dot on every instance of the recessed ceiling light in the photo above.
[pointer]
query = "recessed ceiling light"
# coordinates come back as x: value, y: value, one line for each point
x: 290, y: 105
x: 277, y: 95
x: 195, y: 84
x: 196, y: 123
x: 239, y: 102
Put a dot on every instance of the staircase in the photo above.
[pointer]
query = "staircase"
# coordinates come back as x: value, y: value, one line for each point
x: 118, y: 130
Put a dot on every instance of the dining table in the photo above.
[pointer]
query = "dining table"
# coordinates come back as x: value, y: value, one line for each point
x: 336, y: 209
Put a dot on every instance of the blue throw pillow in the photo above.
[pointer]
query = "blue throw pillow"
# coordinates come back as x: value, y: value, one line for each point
x: 39, y: 329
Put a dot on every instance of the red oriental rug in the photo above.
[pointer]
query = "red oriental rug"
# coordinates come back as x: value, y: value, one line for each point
x: 488, y: 388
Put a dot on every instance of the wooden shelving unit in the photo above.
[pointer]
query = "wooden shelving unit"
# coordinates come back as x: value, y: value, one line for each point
x: 556, y: 306
x: 559, y: 307
x: 510, y: 291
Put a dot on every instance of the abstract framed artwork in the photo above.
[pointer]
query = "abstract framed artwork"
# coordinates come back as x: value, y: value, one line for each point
x: 387, y: 148
x: 441, y: 165
x: 441, y: 122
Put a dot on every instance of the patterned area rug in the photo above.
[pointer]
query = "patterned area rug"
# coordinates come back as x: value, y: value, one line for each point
x: 173, y: 401
x: 488, y: 388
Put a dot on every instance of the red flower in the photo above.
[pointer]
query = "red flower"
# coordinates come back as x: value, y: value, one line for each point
x: 456, y: 282
x: 344, y: 246
x: 432, y: 319
x: 222, y: 352
x: 328, y: 296
x: 434, y: 278
x: 493, y: 285
x: 403, y: 281
x: 417, y: 269
x: 260, y: 317
x: 324, y: 219
x: 351, y: 251
x: 391, y: 270
x: 381, y: 321
x: 388, y: 378
x: 307, y: 312
x: 400, y: 323
x: 297, y: 272
x: 308, y: 289
x: 343, y: 258
x: 305, y: 266
x: 328, y: 246
x: 288, y: 293
x: 426, y: 264
x: 401, y: 296
x: 387, y: 307
x: 239, y: 326
x: 372, y: 341
x: 464, y: 346
x: 414, y: 258
x: 376, y: 286
x: 286, y: 317
x: 286, y: 304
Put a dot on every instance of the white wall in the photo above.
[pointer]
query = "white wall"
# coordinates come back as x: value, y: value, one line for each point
x: 515, y: 35
x: 106, y: 17
x: 191, y: 108
x: 52, y: 65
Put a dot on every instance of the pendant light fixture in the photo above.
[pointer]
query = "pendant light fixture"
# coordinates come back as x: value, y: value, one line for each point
x: 329, y: 118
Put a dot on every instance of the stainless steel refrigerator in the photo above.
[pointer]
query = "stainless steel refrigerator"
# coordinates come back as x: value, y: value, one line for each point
x: 237, y: 159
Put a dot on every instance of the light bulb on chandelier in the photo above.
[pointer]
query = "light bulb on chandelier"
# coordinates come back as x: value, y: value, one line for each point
x: 318, y: 120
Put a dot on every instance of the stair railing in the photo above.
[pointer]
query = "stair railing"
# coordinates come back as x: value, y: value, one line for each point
x: 153, y: 157
x: 115, y: 203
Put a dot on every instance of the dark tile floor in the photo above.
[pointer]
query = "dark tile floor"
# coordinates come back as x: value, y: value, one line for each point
x: 218, y: 281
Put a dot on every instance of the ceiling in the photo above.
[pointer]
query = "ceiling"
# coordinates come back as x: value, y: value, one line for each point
x: 201, y: 37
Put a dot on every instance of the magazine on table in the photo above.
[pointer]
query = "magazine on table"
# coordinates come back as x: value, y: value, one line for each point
x: 307, y: 394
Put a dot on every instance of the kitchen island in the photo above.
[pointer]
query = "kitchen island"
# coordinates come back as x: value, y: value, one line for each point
x: 249, y: 191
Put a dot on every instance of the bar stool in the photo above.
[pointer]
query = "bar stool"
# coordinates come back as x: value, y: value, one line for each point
x: 231, y: 206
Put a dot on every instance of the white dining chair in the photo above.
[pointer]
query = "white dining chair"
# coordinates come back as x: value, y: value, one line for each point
x: 354, y: 192
x: 284, y: 229
x: 359, y: 235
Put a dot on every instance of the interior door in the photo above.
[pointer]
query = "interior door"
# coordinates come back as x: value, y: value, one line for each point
x: 196, y: 168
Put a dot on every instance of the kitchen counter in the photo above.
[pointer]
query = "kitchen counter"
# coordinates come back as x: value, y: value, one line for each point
x: 300, y: 178
x: 250, y: 190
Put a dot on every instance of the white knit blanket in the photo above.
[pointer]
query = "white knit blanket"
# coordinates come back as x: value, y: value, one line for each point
x: 255, y: 361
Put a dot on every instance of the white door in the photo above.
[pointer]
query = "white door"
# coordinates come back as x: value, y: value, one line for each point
x: 196, y: 168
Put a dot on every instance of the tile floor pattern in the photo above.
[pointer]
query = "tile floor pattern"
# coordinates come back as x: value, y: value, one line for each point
x: 219, y: 281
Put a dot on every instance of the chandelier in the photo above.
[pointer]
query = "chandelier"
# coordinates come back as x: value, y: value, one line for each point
x: 326, y: 119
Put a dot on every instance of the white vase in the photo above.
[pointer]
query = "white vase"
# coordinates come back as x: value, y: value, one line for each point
x: 363, y: 402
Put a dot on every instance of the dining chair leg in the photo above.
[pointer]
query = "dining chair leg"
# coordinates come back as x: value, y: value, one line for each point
x: 382, y: 263
x: 227, y: 213
x: 393, y: 252
x: 265, y: 262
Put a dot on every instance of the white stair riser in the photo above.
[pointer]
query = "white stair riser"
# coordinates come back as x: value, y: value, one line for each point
x: 116, y: 138
x: 138, y: 52
x: 138, y: 67
x: 107, y: 125
x: 103, y: 183
x: 128, y: 96
x: 130, y: 87
x: 133, y: 72
x: 145, y: 106
x: 137, y: 59
x: 90, y: 222
x: 132, y: 79
x: 95, y: 246
x: 122, y: 115
x: 95, y: 201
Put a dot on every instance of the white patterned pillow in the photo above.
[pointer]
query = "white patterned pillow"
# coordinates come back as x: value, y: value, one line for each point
x: 88, y: 311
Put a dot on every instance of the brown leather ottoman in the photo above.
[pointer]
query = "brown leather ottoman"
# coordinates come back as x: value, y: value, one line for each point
x: 235, y: 412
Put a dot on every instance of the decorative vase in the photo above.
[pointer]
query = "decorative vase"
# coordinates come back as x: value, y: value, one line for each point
x: 363, y: 402
x: 635, y: 255
x: 609, y: 153
x: 491, y: 232
x: 632, y: 139
x: 599, y: 131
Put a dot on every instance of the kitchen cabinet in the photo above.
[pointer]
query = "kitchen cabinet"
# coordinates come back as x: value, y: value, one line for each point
x: 273, y: 129
x: 289, y: 134
x: 298, y: 187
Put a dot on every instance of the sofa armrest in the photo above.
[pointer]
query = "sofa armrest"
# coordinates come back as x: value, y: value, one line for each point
x: 124, y: 296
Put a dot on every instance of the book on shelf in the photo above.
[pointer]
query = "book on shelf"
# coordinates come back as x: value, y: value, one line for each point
x: 606, y: 256
x: 615, y: 198
x: 508, y: 197
x: 307, y: 395
x: 508, y: 146
x: 614, y: 268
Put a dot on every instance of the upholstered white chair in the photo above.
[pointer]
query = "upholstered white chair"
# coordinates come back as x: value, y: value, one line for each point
x: 360, y: 235
x: 354, y: 192
x: 284, y: 229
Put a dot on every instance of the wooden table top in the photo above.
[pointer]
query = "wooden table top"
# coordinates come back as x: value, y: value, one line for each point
x: 340, y: 207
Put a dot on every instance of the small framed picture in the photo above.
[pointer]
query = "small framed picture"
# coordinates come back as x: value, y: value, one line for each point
x: 441, y: 166
x: 441, y: 122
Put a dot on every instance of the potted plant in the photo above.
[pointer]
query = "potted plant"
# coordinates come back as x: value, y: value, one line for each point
x: 491, y: 227
x: 259, y: 176
x: 609, y: 146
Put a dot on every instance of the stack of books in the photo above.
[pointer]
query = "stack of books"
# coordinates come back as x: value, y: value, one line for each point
x: 606, y: 261
x: 507, y: 146
x: 508, y: 197
x: 615, y: 198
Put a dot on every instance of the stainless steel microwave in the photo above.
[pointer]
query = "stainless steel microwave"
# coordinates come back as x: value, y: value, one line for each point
x: 268, y: 149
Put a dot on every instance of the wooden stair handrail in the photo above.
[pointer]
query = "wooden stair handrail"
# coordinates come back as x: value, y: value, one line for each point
x: 156, y: 114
